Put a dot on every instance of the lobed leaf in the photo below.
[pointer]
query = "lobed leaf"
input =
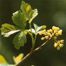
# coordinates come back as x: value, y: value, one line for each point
x: 19, y: 19
x: 20, y: 39
x: 28, y: 11
x: 8, y: 29
x: 33, y: 14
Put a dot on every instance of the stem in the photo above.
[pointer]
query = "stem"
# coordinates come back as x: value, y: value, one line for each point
x: 32, y: 51
x: 39, y: 47
x: 33, y: 40
x: 30, y: 25
x: 24, y: 58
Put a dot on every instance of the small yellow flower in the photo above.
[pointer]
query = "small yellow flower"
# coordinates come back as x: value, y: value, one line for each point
x: 18, y: 58
x: 59, y: 33
x: 59, y: 44
x: 50, y: 31
x: 42, y: 38
x: 55, y: 45
x: 42, y: 32
x: 46, y: 37
x: 55, y: 28
x: 2, y: 59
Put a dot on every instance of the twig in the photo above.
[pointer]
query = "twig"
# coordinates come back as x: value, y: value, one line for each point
x: 40, y: 46
x: 32, y: 51
x: 24, y: 58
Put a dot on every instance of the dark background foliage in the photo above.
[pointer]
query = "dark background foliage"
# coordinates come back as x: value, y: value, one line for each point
x: 51, y: 12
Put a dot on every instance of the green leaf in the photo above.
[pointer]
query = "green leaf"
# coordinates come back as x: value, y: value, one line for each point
x: 20, y: 39
x: 33, y: 14
x: 19, y: 19
x: 38, y: 28
x: 28, y: 11
x: 10, y: 33
x: 41, y: 28
x: 35, y: 26
x: 8, y: 29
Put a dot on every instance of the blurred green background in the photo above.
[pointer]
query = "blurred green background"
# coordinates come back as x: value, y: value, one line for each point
x: 51, y: 12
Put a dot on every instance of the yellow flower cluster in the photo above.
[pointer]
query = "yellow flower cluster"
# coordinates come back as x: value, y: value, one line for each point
x: 59, y: 44
x: 46, y: 34
x: 57, y: 31
x: 50, y: 33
